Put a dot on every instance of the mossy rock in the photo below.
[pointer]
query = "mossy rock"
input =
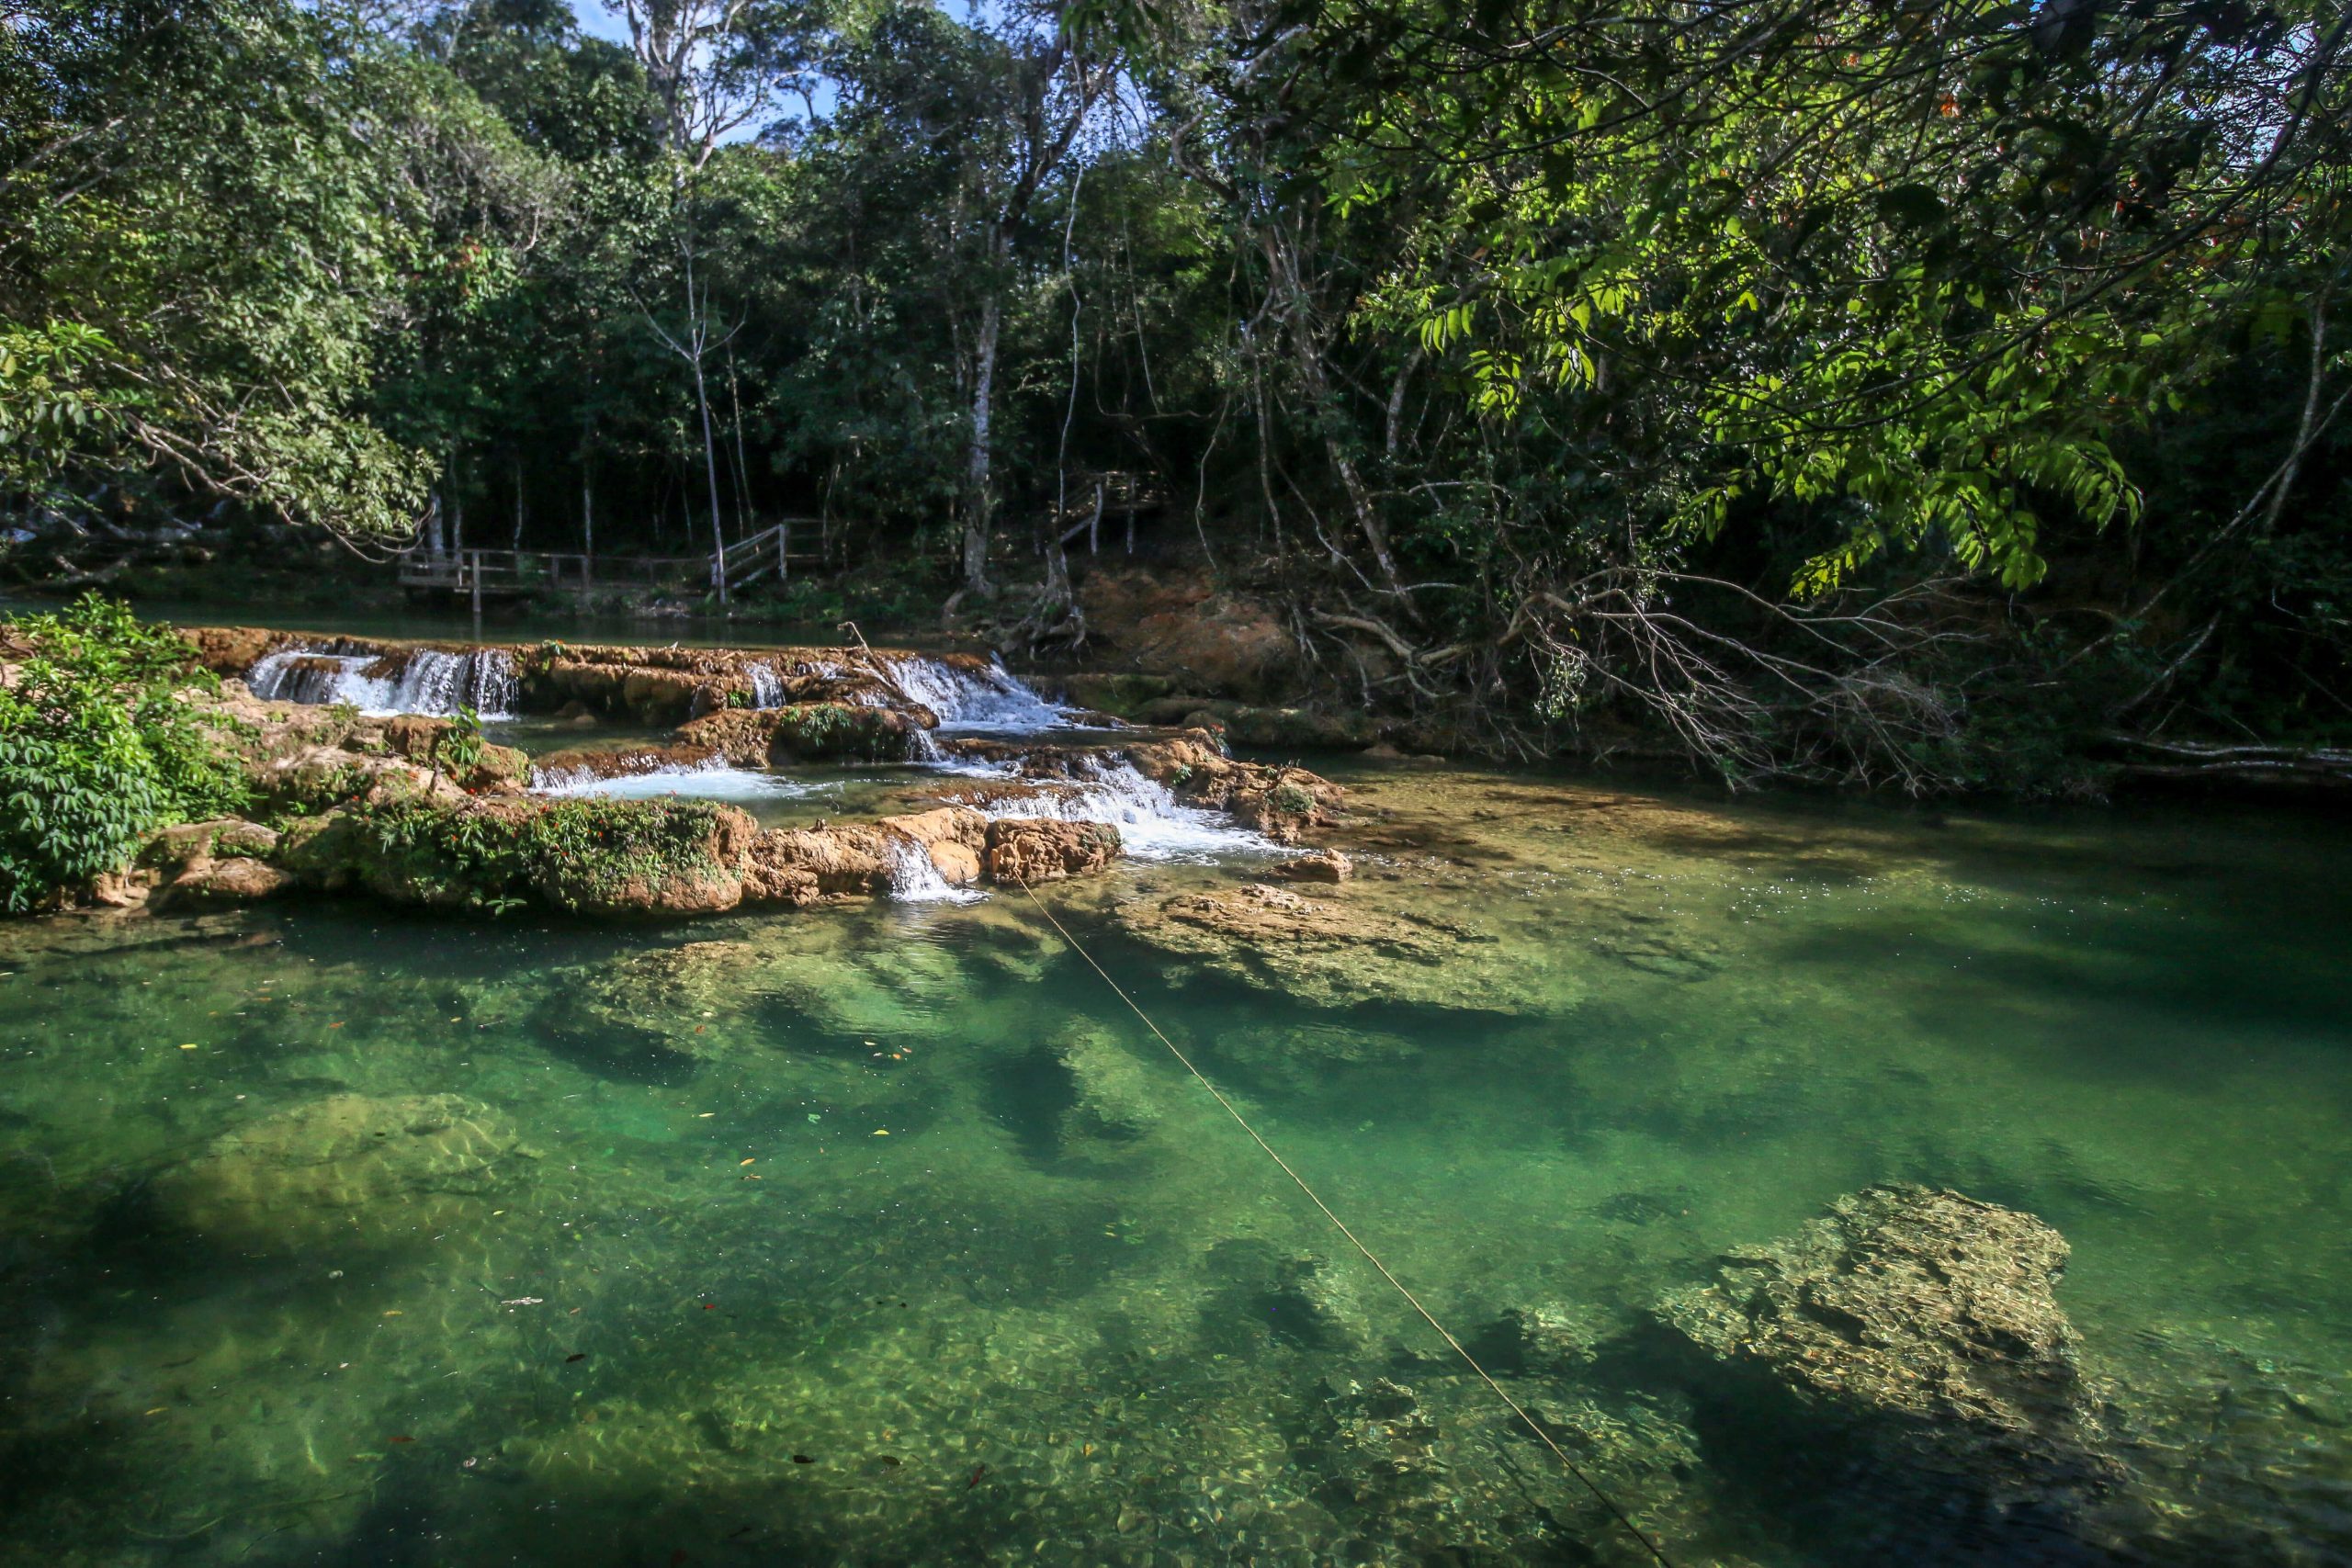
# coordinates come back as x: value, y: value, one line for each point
x: 599, y: 858
x: 349, y: 1167
x: 808, y: 732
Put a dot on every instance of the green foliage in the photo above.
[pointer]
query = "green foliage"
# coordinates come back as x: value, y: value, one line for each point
x: 95, y: 748
x: 460, y: 746
x: 214, y: 215
x: 570, y: 853
x: 840, y: 729
x: 1549, y: 390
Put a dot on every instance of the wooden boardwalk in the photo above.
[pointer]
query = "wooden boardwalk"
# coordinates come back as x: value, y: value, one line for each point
x: 506, y: 574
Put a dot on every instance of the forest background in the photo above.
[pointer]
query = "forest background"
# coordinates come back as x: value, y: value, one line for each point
x: 1884, y: 391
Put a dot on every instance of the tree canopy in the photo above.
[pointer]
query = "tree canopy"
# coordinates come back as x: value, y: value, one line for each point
x: 1823, y: 384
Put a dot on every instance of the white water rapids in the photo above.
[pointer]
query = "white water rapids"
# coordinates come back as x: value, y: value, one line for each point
x: 429, y: 681
x: 1153, y: 825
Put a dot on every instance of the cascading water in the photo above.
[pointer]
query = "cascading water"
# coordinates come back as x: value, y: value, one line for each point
x: 767, y: 686
x: 422, y: 681
x: 1153, y: 824
x: 298, y: 675
x: 994, y: 700
x: 714, y: 780
x: 915, y: 880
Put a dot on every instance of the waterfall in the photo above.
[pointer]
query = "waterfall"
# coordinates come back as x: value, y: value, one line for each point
x: 299, y: 675
x: 993, y: 700
x: 767, y: 686
x: 915, y: 880
x: 1153, y: 824
x: 422, y: 681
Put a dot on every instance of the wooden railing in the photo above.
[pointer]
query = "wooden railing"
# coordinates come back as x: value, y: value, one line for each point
x: 1129, y: 494
x: 503, y: 573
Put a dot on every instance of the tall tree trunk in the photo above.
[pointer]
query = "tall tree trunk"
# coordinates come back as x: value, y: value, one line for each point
x: 518, y: 503
x: 697, y: 338
x: 587, y: 508
x: 976, y: 469
x: 742, y: 465
x: 710, y: 471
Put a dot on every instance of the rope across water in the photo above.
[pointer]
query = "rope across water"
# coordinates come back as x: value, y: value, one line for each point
x: 1619, y: 1513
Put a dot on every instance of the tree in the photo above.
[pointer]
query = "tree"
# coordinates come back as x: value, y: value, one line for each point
x: 148, y: 327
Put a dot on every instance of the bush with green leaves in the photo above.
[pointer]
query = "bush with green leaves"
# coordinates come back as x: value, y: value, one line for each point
x: 499, y: 856
x: 96, y: 748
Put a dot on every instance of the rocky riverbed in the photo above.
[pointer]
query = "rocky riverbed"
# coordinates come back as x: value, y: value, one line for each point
x: 1833, y: 1184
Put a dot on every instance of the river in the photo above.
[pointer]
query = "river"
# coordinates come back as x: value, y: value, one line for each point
x: 886, y: 1234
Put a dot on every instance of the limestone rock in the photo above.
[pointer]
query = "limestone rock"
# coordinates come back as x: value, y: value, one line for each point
x: 663, y: 858
x: 235, y: 879
x: 1283, y: 803
x: 1324, y: 950
x: 350, y: 1166
x: 1930, y: 1314
x: 581, y: 764
x: 681, y: 1000
x: 1025, y: 849
x: 1116, y: 1099
x: 700, y: 876
x: 228, y: 650
x: 799, y: 866
x: 178, y: 846
x: 752, y: 738
x: 1323, y: 865
x: 313, y: 778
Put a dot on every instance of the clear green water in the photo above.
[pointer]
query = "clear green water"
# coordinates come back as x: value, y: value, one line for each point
x: 1011, y: 1313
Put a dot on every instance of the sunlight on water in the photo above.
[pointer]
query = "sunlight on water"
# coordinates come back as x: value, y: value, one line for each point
x: 882, y: 1235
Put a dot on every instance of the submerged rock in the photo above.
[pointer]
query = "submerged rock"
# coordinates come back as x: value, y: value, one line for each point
x: 1928, y: 1316
x: 662, y: 1000
x: 1325, y: 952
x: 1384, y: 1444
x: 1116, y: 1099
x: 1550, y: 1337
x: 1304, y: 1297
x: 348, y: 1165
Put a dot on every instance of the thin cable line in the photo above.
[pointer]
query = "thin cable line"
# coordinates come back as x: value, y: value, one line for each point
x: 1340, y: 1224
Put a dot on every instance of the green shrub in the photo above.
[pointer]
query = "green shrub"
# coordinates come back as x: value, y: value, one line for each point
x: 460, y: 746
x: 95, y: 751
x: 569, y: 852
